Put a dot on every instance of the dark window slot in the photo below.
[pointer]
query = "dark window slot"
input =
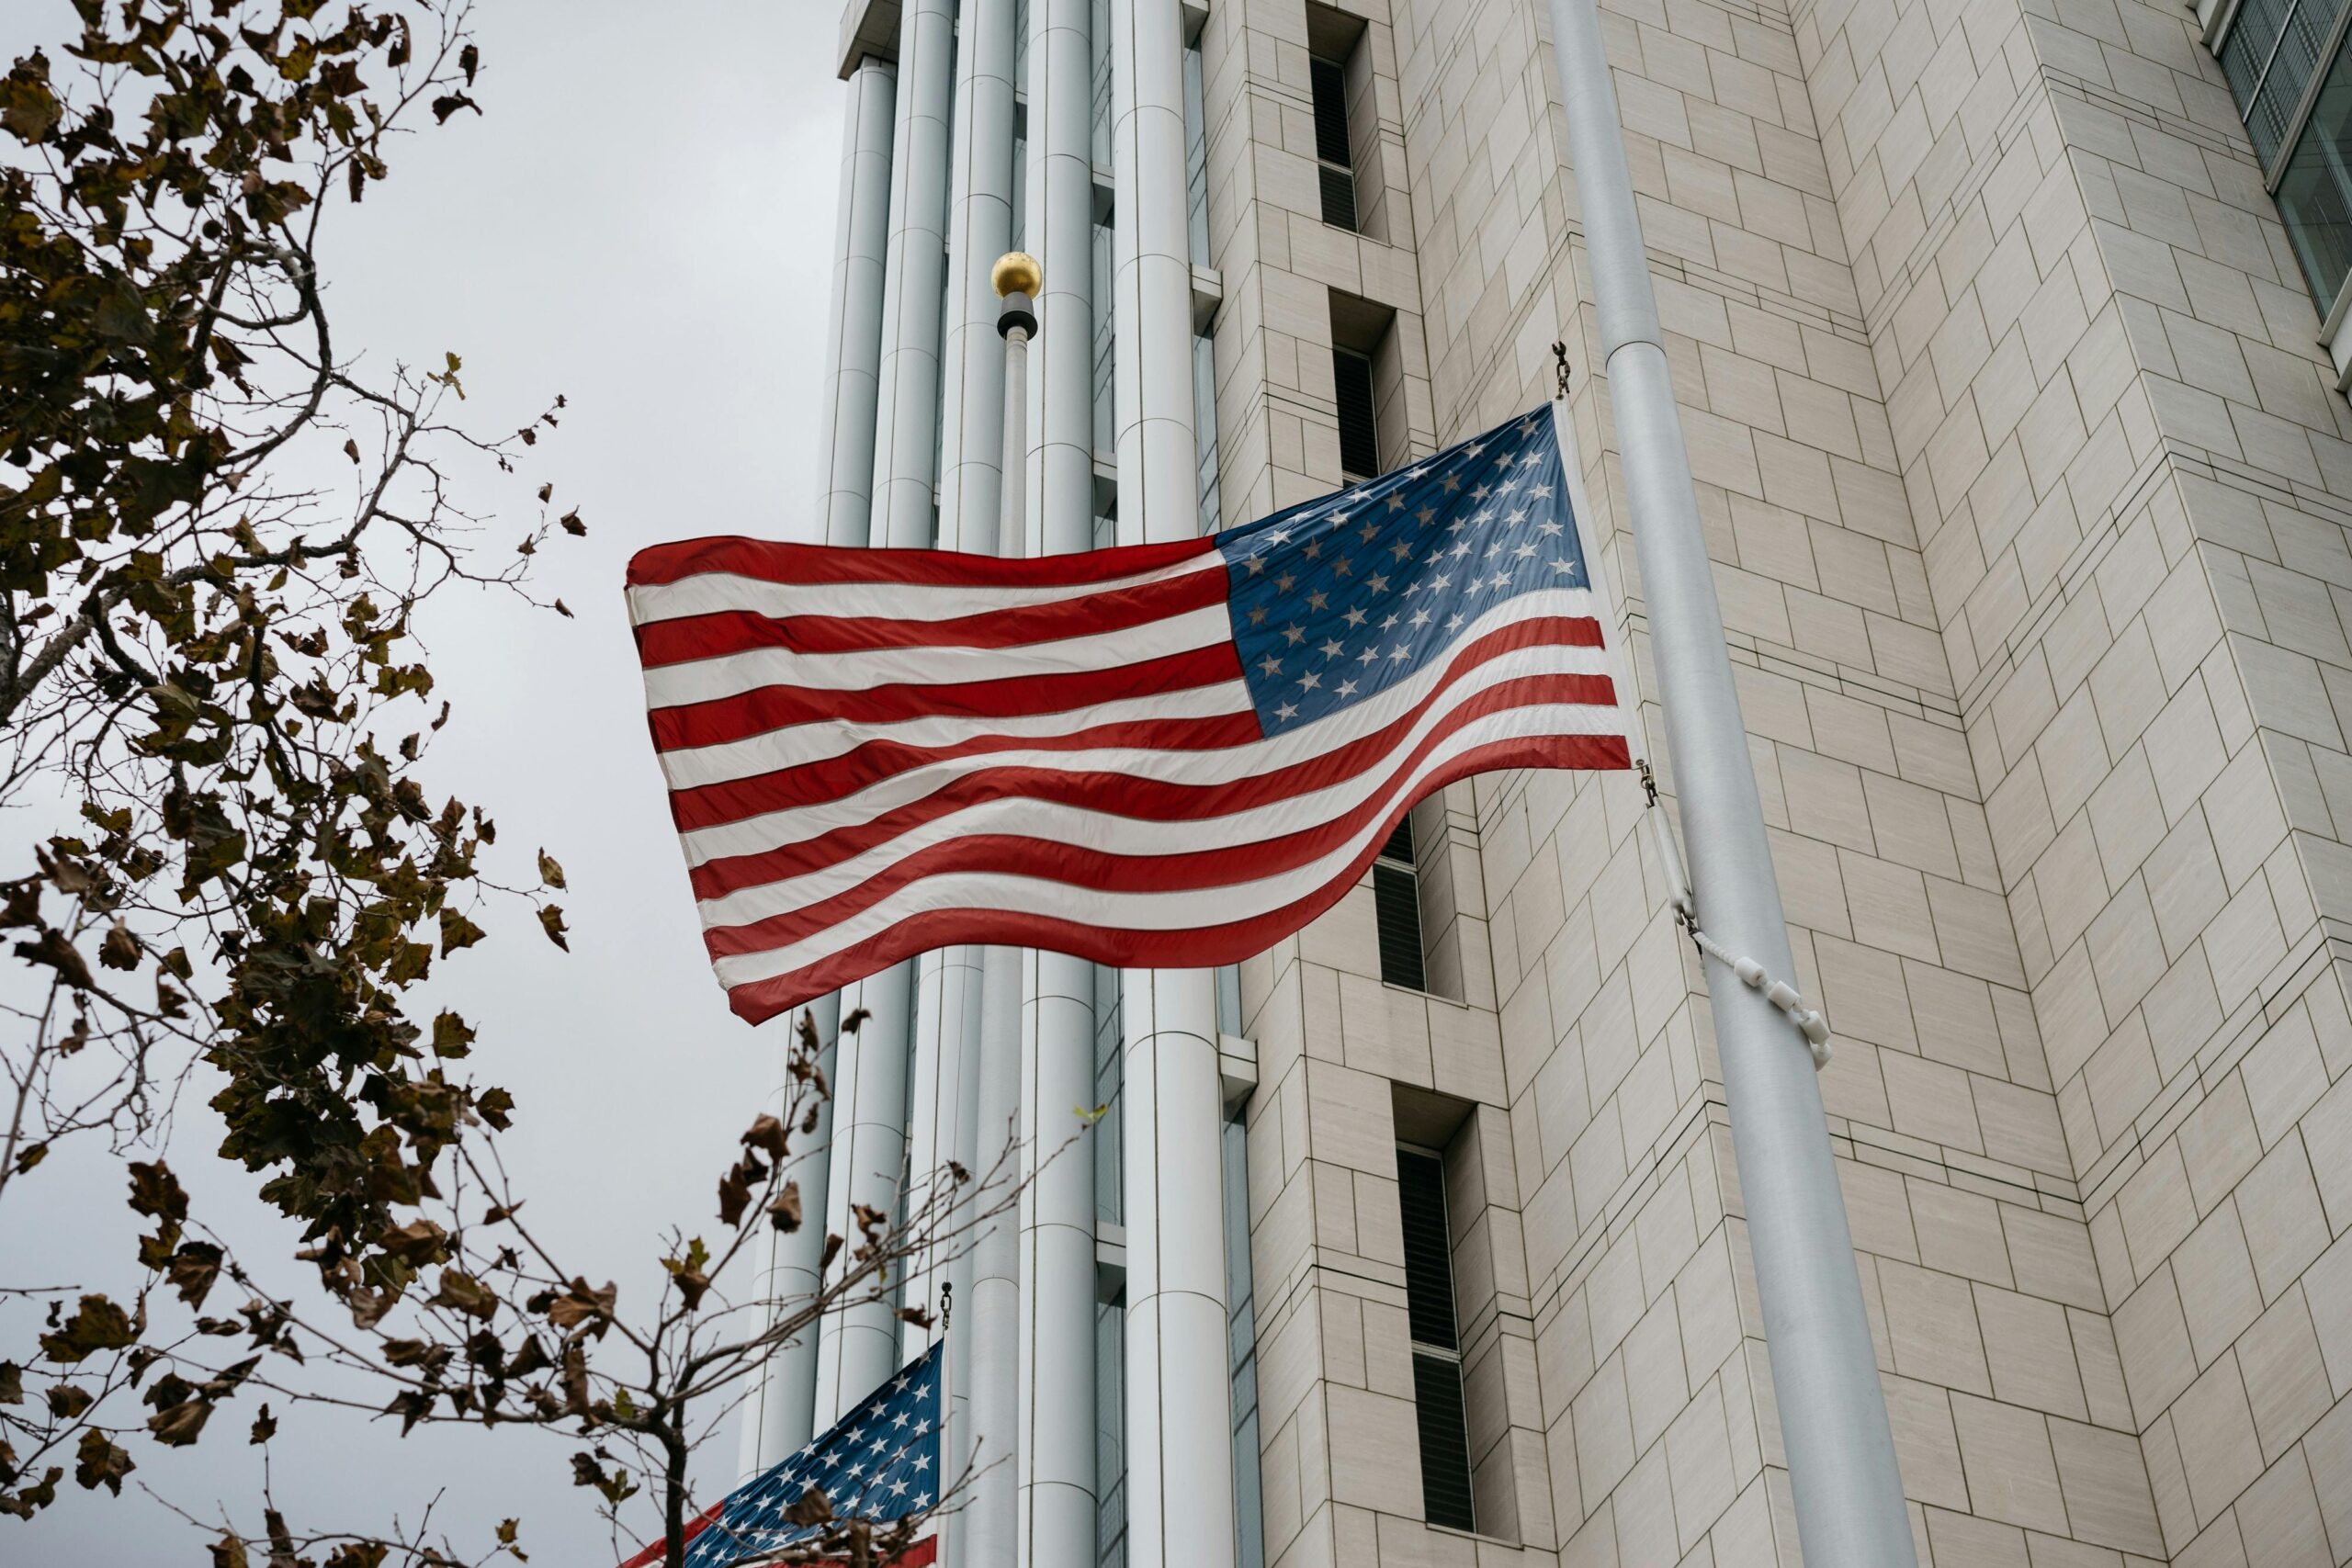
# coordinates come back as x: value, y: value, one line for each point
x: 1359, y: 429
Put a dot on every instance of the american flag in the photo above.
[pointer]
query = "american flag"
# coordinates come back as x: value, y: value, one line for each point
x: 1166, y: 755
x: 880, y: 1462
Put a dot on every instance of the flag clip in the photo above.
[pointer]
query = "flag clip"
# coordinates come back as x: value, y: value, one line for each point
x: 1560, y: 353
x: 1779, y: 993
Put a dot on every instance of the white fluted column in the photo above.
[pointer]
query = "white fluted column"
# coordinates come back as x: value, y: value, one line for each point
x: 979, y: 228
x: 860, y: 1346
x: 907, y: 431
x: 1058, y: 1267
x: 1058, y: 1271
x: 947, y: 1014
x: 870, y: 1153
x: 990, y: 1531
x: 854, y: 340
x: 779, y: 1417
x: 1179, y: 1403
x: 993, y: 1531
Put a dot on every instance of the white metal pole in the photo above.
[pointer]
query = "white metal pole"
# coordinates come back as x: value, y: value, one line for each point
x: 988, y: 1529
x: 1058, y: 1293
x: 989, y: 1534
x: 1825, y: 1377
x: 1179, y: 1404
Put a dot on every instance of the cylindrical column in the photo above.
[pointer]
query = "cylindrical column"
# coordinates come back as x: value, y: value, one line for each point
x: 1825, y: 1377
x: 979, y: 229
x: 1179, y: 1428
x: 992, y: 1525
x: 874, y: 1062
x: 947, y: 1011
x: 1057, y: 1269
x: 860, y: 1346
x: 780, y: 1416
x: 853, y: 344
x: 1060, y: 474
x: 906, y: 437
x: 971, y: 449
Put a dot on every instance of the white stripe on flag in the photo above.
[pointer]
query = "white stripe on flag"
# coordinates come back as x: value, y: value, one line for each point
x: 1349, y: 724
x: 1175, y: 910
x: 713, y: 592
x: 858, y: 670
x: 815, y: 740
x: 1029, y: 816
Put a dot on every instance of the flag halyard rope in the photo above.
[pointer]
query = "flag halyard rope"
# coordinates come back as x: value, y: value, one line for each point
x: 1791, y: 1002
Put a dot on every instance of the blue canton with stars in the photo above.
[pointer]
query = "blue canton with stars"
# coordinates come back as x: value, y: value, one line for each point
x: 881, y: 1461
x: 1343, y: 597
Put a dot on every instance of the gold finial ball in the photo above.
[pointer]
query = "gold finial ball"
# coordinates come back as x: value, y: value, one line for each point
x: 1016, y: 272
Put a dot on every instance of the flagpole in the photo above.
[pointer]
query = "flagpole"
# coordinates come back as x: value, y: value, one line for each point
x: 989, y: 1529
x: 1848, y: 1495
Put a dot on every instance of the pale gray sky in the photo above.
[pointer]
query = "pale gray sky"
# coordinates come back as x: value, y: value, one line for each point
x: 642, y: 220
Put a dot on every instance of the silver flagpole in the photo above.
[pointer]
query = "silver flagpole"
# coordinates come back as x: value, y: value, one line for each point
x: 1833, y: 1411
x: 989, y: 1530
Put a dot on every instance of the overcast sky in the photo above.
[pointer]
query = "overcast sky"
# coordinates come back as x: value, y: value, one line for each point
x: 643, y: 222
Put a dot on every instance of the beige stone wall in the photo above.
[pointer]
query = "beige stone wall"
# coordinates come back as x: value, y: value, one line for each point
x: 2027, y: 498
x: 2131, y: 478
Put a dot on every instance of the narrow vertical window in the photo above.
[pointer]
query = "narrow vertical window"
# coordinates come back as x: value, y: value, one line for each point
x: 1437, y: 1351
x: 1358, y: 418
x: 1397, y: 906
x: 1335, y: 161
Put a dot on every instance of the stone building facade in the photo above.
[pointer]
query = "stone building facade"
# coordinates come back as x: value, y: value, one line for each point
x: 2027, y: 481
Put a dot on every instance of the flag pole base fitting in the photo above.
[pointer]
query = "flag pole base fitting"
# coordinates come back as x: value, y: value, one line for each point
x: 1016, y: 309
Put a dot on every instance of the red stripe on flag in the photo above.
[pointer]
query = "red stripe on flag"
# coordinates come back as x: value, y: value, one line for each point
x: 769, y: 560
x: 710, y: 806
x: 1103, y: 871
x: 723, y: 632
x: 1119, y: 794
x: 1196, y: 948
x: 746, y: 714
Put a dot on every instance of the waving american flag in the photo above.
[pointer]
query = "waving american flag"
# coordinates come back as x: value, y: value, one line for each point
x: 1167, y: 755
x: 879, y: 1463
